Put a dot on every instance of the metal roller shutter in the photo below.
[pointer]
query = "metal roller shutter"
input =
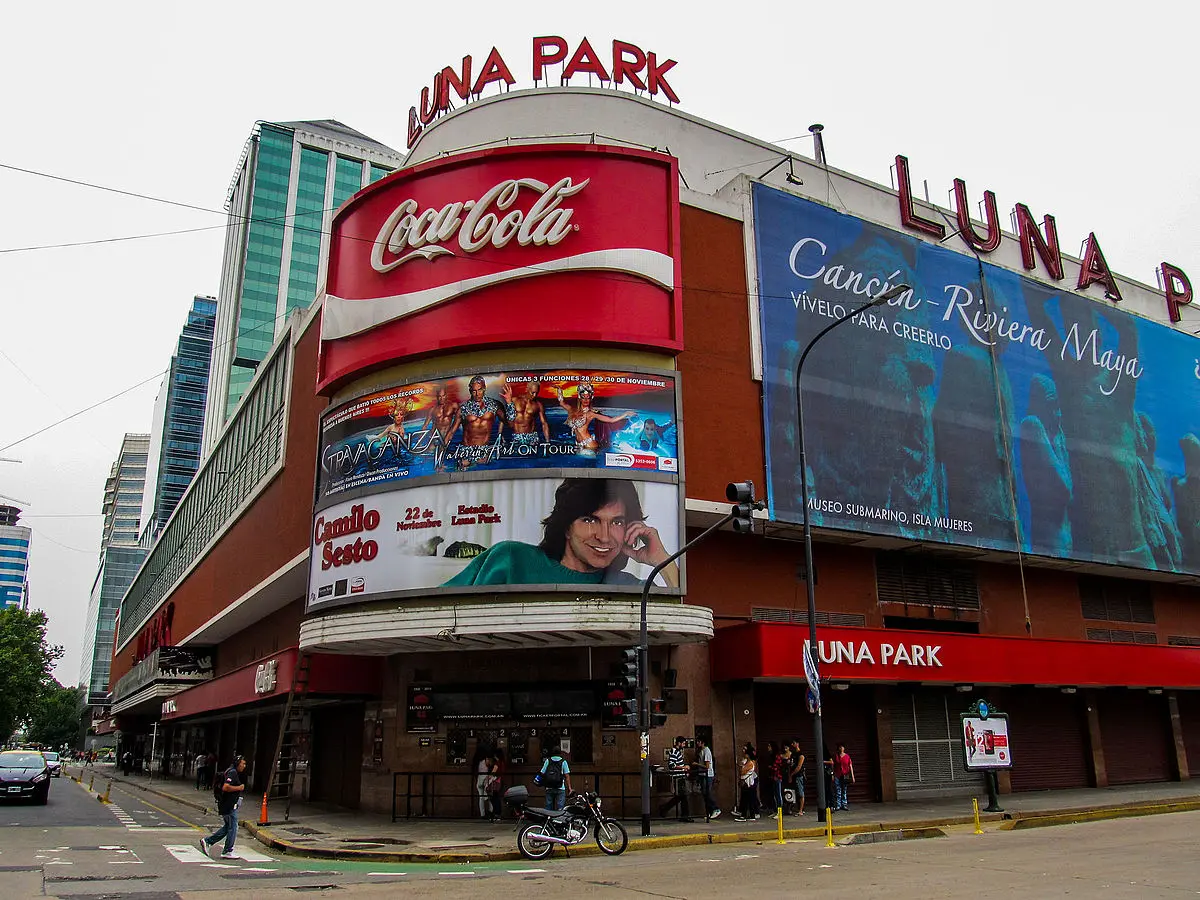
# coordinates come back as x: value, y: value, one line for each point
x: 1189, y: 719
x: 927, y: 746
x: 1134, y: 729
x: 1048, y: 730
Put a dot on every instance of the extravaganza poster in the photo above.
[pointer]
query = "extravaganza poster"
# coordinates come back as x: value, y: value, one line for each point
x: 980, y: 408
x: 561, y: 419
x: 496, y: 535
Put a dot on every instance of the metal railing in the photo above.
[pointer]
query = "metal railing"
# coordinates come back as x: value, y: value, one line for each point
x: 452, y: 795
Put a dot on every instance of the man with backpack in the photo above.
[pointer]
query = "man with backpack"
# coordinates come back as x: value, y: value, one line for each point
x: 228, y: 792
x: 555, y: 777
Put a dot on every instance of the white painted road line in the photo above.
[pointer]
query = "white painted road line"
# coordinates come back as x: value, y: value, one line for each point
x: 249, y: 855
x: 456, y: 873
x: 525, y: 871
x: 186, y: 853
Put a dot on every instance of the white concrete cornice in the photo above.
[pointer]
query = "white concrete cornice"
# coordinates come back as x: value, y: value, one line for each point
x: 510, y: 626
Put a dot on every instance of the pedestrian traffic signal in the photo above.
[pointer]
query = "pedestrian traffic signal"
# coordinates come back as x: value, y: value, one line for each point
x: 632, y: 720
x: 741, y: 494
x: 658, y: 713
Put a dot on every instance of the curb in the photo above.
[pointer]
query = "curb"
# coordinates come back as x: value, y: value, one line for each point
x: 1098, y: 814
x: 1007, y: 822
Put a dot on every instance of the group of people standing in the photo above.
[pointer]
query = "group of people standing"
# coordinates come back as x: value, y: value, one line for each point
x: 783, y: 770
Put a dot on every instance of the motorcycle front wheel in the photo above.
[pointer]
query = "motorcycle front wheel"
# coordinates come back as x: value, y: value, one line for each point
x: 611, y: 837
x: 532, y: 849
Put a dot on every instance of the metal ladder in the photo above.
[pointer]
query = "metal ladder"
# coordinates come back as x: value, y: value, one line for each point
x: 293, y: 734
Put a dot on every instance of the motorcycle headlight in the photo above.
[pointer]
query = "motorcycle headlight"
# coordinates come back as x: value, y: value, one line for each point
x: 41, y: 776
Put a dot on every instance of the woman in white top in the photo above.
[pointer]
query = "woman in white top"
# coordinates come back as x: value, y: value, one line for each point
x: 482, y: 781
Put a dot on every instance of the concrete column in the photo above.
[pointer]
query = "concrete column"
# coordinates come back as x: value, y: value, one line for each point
x: 1179, y: 762
x: 1096, y: 768
x: 886, y: 771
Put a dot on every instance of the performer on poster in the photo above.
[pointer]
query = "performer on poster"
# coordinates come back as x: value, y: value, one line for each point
x: 443, y: 415
x: 580, y: 416
x: 529, y: 424
x: 479, y: 415
x: 394, y: 433
x: 595, y: 528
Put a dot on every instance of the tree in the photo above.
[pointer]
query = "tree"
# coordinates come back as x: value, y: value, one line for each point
x: 58, y: 718
x: 25, y: 663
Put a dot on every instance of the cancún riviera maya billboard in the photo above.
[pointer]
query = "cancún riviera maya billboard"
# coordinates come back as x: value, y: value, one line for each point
x: 981, y: 408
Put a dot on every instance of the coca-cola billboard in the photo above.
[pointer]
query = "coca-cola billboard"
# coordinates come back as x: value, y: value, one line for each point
x: 517, y: 245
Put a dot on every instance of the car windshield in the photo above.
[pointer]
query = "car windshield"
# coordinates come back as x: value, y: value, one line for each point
x: 51, y: 757
x: 22, y: 760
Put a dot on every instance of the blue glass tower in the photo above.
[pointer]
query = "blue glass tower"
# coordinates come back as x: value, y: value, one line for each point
x: 14, y: 559
x: 178, y: 430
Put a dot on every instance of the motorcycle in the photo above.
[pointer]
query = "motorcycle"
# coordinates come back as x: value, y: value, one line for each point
x: 538, y: 830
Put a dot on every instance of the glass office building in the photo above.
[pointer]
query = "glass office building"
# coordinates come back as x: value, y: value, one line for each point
x: 120, y: 556
x: 14, y: 559
x: 178, y: 430
x: 291, y: 179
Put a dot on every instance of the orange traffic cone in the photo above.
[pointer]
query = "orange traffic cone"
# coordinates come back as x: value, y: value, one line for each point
x: 262, y: 818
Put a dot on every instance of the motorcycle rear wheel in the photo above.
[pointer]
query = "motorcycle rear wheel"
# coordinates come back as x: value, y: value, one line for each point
x: 533, y: 849
x: 611, y: 837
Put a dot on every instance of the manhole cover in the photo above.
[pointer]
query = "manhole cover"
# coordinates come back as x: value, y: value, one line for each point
x: 351, y: 846
x: 300, y: 829
x: 375, y: 840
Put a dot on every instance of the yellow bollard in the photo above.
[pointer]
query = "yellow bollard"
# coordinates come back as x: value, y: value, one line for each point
x: 975, y: 804
x: 780, y: 818
x: 107, y: 791
x: 93, y: 781
x: 828, y: 827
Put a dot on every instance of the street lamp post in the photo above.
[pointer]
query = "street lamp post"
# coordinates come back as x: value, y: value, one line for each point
x: 818, y: 729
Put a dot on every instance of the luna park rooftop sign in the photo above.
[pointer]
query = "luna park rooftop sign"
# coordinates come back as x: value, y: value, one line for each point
x: 628, y: 64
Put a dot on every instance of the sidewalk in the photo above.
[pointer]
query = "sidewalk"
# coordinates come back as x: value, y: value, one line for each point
x: 316, y: 830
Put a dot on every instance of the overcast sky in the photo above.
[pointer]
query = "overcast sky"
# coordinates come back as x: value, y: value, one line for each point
x: 1082, y: 110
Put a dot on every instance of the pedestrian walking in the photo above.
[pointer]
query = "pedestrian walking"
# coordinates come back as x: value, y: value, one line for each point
x: 843, y: 776
x: 708, y: 774
x: 748, y: 784
x: 230, y: 788
x: 126, y: 763
x: 780, y: 769
x: 201, y: 759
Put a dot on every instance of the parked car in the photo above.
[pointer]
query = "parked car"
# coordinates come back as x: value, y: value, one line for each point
x: 53, y: 763
x: 24, y: 774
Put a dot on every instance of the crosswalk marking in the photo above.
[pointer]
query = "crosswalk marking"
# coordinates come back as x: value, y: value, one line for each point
x: 191, y: 853
x: 186, y: 853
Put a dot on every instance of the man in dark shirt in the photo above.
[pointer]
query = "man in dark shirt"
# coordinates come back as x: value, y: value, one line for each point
x: 232, y: 788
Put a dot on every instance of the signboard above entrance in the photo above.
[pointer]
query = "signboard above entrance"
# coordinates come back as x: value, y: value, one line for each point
x: 627, y: 64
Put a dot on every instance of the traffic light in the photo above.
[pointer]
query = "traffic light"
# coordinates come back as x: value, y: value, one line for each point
x: 658, y: 713
x: 741, y: 494
x: 629, y: 669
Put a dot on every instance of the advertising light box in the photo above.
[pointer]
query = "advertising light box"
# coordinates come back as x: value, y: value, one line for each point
x: 496, y: 421
x: 981, y: 408
x: 495, y: 535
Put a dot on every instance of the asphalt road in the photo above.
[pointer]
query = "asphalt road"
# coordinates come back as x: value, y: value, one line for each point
x: 144, y: 848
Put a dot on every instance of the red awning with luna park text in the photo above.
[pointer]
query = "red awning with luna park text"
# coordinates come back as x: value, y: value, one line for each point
x: 771, y: 651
